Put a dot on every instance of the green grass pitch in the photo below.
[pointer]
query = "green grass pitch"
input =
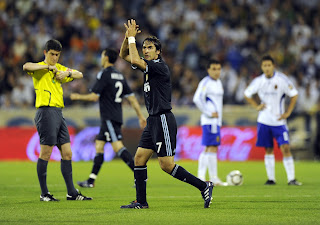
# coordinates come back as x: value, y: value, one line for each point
x: 171, y: 201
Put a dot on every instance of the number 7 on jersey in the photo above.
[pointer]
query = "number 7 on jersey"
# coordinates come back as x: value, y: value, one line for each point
x: 159, y: 146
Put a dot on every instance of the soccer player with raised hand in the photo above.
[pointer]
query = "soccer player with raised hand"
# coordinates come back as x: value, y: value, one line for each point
x: 159, y: 136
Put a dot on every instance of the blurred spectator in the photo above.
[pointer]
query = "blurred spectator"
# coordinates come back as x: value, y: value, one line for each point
x: 19, y: 48
x: 188, y: 85
x: 229, y: 78
x: 242, y: 82
x: 22, y: 95
x: 307, y: 103
x: 7, y: 83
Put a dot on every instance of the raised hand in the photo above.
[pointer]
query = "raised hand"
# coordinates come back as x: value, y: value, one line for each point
x: 132, y: 28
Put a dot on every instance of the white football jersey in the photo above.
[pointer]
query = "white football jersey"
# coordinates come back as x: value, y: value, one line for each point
x: 272, y: 92
x: 209, y: 99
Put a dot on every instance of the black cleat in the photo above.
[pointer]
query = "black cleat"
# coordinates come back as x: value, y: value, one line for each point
x: 85, y: 184
x: 135, y: 205
x: 78, y: 197
x: 48, y: 198
x: 270, y: 182
x: 207, y: 194
x: 294, y: 182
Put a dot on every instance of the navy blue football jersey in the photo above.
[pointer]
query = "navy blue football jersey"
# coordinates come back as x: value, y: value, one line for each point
x: 157, y: 87
x: 112, y: 87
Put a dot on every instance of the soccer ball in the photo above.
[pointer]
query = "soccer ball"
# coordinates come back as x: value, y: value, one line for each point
x: 234, y: 178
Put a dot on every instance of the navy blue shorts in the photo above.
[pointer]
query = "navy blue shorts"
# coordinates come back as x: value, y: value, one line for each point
x: 160, y: 134
x: 110, y: 131
x: 51, y: 126
x: 265, y: 135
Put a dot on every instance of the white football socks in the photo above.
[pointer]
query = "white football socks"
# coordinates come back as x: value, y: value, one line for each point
x: 212, y: 165
x: 289, y: 167
x: 202, y: 166
x: 269, y: 162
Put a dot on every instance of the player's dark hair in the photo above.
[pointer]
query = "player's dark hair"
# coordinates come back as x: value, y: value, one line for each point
x: 212, y: 61
x: 53, y: 45
x: 155, y: 41
x: 267, y: 57
x: 112, y: 54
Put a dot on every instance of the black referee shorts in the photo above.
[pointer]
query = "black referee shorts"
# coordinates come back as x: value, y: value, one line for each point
x: 52, y: 127
x: 160, y: 134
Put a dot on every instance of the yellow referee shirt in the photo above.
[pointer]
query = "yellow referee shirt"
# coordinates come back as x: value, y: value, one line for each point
x: 48, y: 90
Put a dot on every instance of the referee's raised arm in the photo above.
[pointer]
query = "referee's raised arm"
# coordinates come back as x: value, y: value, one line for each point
x: 30, y: 67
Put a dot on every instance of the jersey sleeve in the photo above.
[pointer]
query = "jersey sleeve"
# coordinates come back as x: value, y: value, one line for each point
x: 100, y: 84
x: 199, y: 99
x: 157, y: 66
x: 32, y: 73
x: 252, y: 88
x: 289, y: 88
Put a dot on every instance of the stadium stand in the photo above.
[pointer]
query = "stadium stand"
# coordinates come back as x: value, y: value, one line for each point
x: 245, y: 122
x: 93, y: 122
x: 71, y: 123
x: 181, y: 119
x: 132, y: 122
x: 20, y: 121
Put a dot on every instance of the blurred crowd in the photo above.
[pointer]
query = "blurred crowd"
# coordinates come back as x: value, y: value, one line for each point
x: 237, y: 32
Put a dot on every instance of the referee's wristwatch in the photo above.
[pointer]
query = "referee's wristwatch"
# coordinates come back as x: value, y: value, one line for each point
x: 70, y: 73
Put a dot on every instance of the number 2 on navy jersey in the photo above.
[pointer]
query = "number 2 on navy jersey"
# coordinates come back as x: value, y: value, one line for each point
x: 119, y: 85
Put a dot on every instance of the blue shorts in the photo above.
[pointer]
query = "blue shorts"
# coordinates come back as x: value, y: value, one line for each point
x: 265, y: 135
x: 210, y: 135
